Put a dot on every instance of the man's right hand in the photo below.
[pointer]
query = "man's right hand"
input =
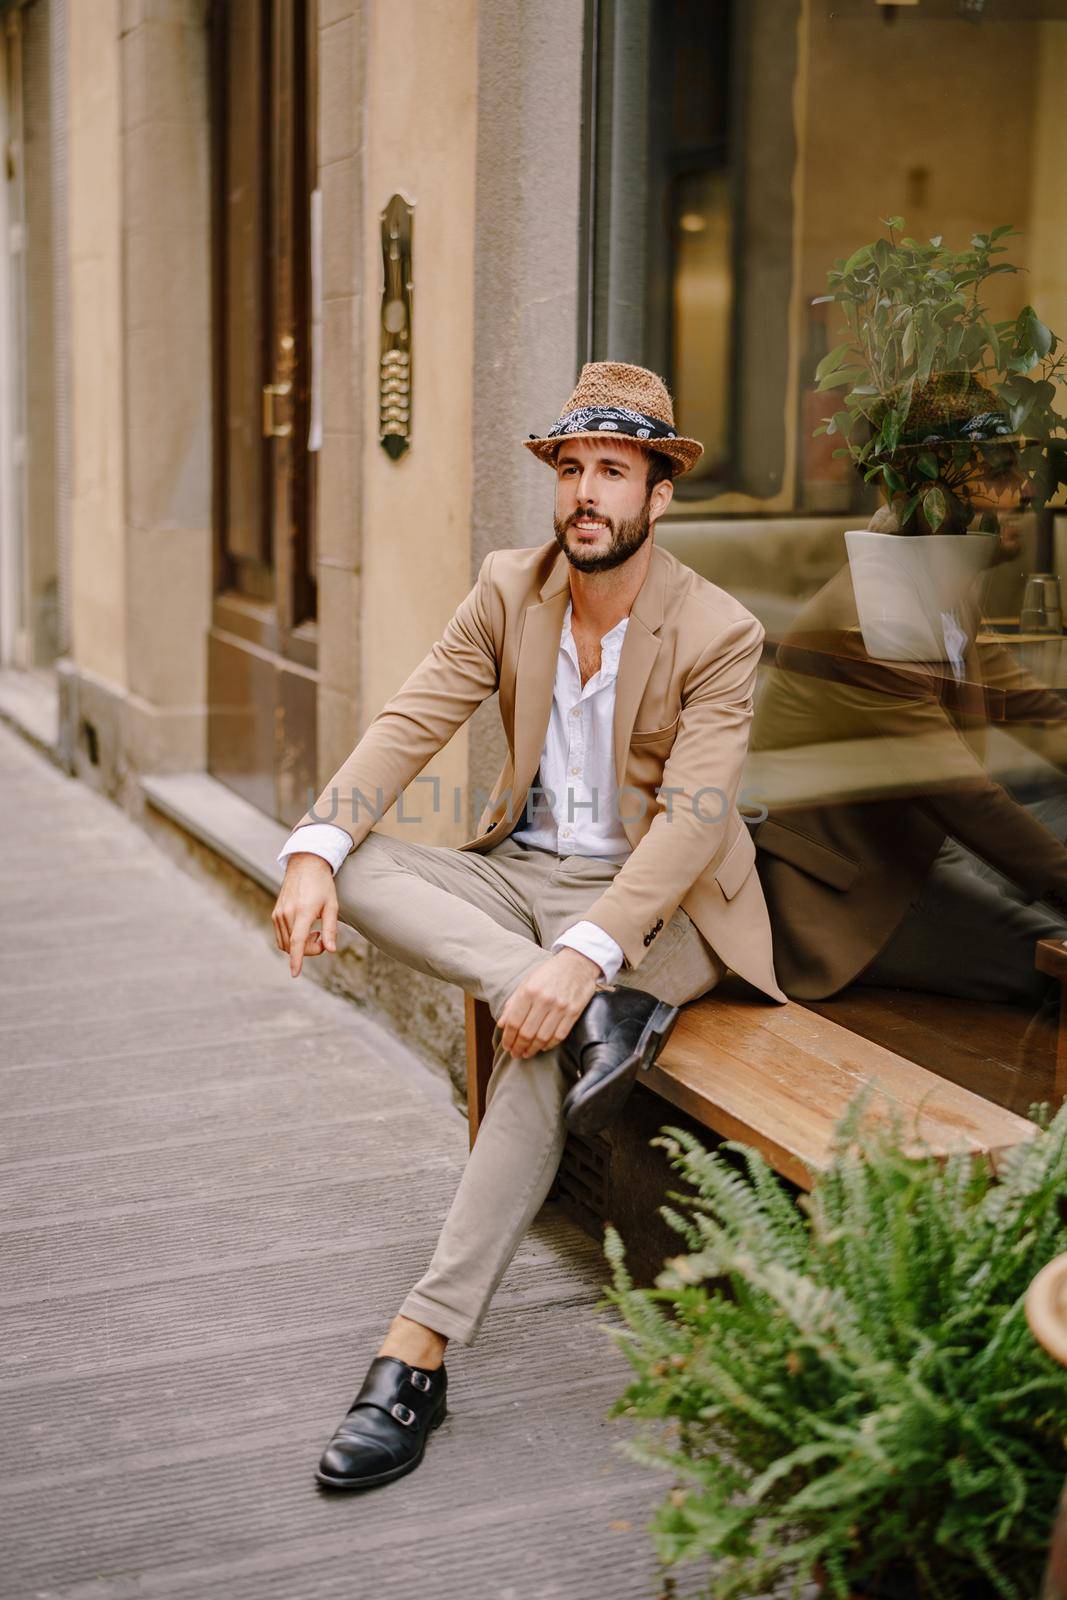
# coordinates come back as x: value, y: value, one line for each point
x: 307, y: 893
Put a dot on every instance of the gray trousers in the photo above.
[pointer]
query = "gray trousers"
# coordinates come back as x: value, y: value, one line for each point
x: 484, y: 922
x: 971, y: 932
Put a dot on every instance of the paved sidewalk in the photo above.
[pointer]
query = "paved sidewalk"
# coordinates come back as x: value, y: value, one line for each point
x: 216, y: 1186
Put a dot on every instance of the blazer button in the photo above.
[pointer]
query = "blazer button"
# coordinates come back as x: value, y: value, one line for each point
x: 647, y: 940
x: 659, y: 924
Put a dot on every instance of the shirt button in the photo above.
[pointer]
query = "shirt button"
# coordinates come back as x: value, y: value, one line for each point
x: 575, y: 771
x: 576, y: 712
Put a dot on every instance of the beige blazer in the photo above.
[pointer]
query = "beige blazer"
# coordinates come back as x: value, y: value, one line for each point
x: 683, y: 705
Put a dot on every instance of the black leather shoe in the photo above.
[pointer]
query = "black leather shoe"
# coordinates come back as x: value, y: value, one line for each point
x: 385, y: 1429
x: 620, y: 1033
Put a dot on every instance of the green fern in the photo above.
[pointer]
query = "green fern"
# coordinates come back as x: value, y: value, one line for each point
x: 850, y: 1381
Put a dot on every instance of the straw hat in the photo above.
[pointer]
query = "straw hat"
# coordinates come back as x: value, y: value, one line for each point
x: 612, y: 397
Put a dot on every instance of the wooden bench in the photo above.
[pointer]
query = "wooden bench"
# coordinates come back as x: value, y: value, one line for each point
x: 779, y: 1077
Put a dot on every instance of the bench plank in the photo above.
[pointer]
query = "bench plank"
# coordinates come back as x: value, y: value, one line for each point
x: 781, y: 1077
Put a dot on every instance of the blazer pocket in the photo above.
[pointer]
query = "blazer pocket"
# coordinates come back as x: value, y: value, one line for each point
x: 647, y: 735
x: 736, y: 865
x: 817, y: 860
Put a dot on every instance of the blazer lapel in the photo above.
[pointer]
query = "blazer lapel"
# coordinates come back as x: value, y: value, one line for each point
x: 535, y: 673
x: 640, y: 648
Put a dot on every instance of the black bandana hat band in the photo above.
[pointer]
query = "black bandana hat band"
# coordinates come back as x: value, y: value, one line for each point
x: 609, y: 419
x: 986, y: 427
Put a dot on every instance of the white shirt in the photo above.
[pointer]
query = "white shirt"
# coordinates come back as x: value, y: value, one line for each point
x: 578, y: 772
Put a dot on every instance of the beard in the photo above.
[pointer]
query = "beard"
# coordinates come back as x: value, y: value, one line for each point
x: 627, y: 537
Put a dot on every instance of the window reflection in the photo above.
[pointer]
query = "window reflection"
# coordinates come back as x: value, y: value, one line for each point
x: 910, y: 737
x: 702, y: 342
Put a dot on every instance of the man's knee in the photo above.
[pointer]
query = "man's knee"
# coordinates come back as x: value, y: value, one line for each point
x: 536, y: 1082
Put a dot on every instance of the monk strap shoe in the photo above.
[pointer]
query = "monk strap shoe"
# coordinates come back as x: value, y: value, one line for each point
x: 384, y: 1431
x: 619, y: 1034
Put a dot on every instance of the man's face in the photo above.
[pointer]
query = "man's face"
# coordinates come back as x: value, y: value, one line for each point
x: 604, y: 511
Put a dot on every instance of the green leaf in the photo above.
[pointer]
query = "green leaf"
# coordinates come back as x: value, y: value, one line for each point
x: 927, y: 464
x: 1020, y: 412
x: 858, y: 258
x: 839, y: 379
x: 1036, y: 334
x: 890, y: 435
x: 935, y: 508
x: 831, y: 361
x: 907, y: 344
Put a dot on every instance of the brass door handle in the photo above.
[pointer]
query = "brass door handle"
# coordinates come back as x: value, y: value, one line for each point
x: 394, y: 358
x: 271, y: 393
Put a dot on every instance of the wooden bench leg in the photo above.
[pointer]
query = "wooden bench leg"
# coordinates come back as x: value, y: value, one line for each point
x: 479, y: 1021
x: 1051, y: 957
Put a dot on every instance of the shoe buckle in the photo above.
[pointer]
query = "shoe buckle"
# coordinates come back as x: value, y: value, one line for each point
x: 421, y: 1380
x: 403, y: 1414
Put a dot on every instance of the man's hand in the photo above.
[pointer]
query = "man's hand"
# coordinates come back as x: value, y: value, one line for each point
x: 306, y: 894
x: 546, y: 1005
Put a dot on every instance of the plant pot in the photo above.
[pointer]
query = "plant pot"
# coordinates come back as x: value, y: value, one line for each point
x: 918, y: 596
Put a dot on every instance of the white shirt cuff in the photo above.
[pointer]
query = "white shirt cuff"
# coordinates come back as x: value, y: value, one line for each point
x: 320, y: 839
x: 591, y: 941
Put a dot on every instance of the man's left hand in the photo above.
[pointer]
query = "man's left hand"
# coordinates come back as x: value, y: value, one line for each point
x: 546, y: 1005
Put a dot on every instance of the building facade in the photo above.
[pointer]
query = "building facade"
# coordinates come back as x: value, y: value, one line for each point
x: 287, y: 282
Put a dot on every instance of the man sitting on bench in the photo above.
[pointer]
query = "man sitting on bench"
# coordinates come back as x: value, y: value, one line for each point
x: 611, y: 877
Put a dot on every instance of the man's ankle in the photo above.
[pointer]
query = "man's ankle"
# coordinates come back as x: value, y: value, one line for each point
x: 414, y: 1343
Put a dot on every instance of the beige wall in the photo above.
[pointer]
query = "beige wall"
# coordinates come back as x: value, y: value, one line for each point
x: 420, y: 130
x: 1046, y: 286
x: 167, y: 339
x: 39, y: 287
x: 99, y: 642
x: 927, y: 119
x: 339, y: 516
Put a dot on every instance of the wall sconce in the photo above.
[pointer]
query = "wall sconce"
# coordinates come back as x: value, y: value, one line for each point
x: 394, y: 362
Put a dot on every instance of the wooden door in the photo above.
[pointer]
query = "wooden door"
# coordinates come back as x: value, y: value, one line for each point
x: 262, y: 649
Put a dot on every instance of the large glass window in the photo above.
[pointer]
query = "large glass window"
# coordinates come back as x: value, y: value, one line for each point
x: 839, y: 230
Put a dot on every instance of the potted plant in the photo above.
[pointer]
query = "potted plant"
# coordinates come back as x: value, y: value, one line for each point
x: 944, y: 409
x: 849, y: 1385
